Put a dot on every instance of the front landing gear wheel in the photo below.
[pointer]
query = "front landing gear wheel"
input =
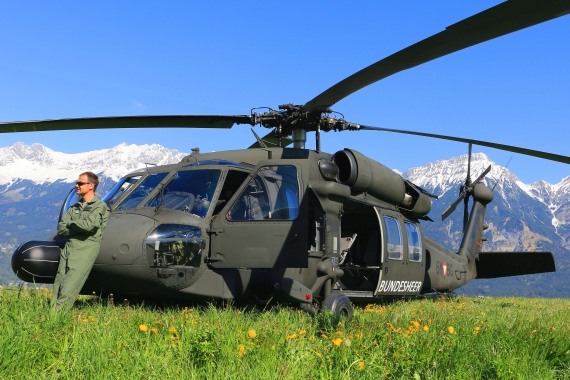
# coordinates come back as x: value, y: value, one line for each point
x: 339, y: 304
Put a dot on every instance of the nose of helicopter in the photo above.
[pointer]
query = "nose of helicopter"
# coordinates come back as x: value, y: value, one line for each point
x: 37, y: 261
x: 124, y: 239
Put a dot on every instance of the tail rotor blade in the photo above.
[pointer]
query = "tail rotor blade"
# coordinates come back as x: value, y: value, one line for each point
x: 468, y: 180
x: 465, y: 211
x: 453, y: 206
x: 482, y: 175
x: 466, y: 191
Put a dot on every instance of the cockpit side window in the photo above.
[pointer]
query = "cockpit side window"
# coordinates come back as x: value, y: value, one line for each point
x: 144, y: 188
x: 286, y: 187
x: 272, y: 194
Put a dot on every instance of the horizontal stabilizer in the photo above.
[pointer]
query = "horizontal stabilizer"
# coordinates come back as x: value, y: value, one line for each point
x: 504, y: 264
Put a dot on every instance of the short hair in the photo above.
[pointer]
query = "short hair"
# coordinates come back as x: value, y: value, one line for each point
x: 92, y: 178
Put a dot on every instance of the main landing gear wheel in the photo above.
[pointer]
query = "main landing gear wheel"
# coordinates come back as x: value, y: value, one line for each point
x: 339, y: 304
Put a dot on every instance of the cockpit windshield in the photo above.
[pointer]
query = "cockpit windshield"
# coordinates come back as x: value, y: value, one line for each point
x: 188, y: 190
x: 144, y: 188
x: 120, y: 188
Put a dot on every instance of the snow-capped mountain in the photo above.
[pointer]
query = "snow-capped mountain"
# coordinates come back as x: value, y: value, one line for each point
x: 42, y: 165
x: 533, y: 207
x: 34, y: 181
x: 522, y: 217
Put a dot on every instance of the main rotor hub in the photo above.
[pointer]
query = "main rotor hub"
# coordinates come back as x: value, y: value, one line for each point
x: 294, y: 120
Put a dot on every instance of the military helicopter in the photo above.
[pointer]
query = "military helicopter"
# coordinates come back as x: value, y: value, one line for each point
x: 293, y: 224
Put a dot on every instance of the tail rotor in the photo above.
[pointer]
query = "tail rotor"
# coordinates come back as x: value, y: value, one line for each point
x: 465, y: 192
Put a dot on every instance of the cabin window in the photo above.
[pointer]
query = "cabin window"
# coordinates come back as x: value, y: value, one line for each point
x: 143, y: 189
x: 414, y: 242
x: 393, y: 238
x: 272, y: 194
x: 188, y: 190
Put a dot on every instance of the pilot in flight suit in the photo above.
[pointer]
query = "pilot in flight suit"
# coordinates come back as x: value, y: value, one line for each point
x: 82, y: 226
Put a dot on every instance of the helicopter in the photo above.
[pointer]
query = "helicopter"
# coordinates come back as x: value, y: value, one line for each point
x: 292, y: 224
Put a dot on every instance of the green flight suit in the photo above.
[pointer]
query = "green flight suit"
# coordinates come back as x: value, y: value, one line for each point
x: 82, y: 226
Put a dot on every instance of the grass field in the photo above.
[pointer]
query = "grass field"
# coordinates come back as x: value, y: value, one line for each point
x: 443, y: 338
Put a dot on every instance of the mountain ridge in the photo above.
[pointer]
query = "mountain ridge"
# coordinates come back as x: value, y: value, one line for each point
x: 42, y: 165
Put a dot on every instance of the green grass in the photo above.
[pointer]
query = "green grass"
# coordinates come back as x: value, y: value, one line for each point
x: 450, y: 338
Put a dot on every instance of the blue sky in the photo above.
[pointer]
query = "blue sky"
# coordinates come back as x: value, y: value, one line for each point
x: 70, y: 59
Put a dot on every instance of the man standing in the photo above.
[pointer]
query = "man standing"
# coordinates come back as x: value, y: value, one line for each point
x: 82, y: 226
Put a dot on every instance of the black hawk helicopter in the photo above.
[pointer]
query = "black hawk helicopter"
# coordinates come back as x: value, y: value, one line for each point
x: 293, y: 224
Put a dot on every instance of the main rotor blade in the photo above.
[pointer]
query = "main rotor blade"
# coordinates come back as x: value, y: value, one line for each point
x: 509, y: 148
x: 468, y: 179
x: 497, y: 21
x: 163, y: 121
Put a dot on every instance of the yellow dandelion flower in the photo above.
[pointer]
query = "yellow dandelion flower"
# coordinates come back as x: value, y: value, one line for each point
x: 241, y: 350
x: 251, y: 333
x: 337, y: 342
x: 426, y: 328
x: 416, y: 324
x: 143, y: 327
x: 172, y: 330
x: 476, y: 330
x: 372, y: 308
x: 154, y: 330
x: 360, y: 365
x: 174, y: 341
x: 451, y: 330
x: 302, y: 332
x: 291, y: 337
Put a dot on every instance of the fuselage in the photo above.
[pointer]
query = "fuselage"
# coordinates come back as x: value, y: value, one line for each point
x: 292, y: 224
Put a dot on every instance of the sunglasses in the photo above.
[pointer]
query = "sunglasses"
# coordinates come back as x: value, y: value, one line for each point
x: 78, y: 183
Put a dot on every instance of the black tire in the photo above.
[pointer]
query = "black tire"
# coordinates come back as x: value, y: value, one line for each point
x: 339, y: 304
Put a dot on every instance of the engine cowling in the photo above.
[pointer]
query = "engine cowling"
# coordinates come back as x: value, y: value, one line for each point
x: 363, y: 174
